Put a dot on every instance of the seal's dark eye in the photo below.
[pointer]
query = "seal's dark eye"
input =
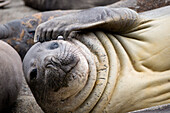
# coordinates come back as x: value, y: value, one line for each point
x: 33, y: 74
x: 31, y: 32
x: 54, y: 45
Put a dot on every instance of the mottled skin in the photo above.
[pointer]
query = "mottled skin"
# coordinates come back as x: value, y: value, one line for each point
x: 19, y: 33
x: 127, y: 55
x: 11, y: 75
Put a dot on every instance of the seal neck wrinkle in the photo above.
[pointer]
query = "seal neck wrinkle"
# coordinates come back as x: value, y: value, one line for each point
x: 76, y: 100
x: 100, y: 59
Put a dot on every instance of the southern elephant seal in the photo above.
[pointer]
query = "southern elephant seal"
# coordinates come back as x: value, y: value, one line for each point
x: 125, y: 57
x: 11, y: 75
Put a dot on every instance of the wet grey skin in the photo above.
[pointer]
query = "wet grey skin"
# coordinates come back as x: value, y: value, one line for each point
x: 11, y: 76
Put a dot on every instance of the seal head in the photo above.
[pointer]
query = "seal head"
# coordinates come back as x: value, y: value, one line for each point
x: 56, y: 71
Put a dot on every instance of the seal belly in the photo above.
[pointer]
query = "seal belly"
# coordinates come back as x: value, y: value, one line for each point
x: 148, y: 45
x: 144, y: 56
x: 11, y: 76
x: 138, y: 90
x: 130, y: 85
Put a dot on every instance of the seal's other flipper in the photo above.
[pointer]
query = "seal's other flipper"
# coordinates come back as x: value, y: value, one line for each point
x: 141, y: 5
x: 16, y: 35
x: 156, y: 109
x: 19, y: 33
x: 4, y: 3
x: 156, y: 13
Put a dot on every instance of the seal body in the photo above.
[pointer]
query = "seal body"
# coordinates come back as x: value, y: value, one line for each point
x: 123, y: 71
x: 66, y: 4
x: 19, y: 33
x: 138, y: 5
x: 11, y: 75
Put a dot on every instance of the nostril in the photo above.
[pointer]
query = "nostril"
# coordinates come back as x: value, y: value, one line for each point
x: 54, y: 45
x: 66, y: 64
x: 33, y: 74
x: 70, y: 63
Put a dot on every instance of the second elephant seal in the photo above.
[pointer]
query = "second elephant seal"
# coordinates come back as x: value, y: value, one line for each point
x: 11, y: 75
x: 66, y: 4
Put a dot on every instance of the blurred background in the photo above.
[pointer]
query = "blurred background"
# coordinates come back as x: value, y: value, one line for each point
x: 15, y: 10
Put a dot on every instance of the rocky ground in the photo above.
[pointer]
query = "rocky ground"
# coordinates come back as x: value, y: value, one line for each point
x: 15, y: 10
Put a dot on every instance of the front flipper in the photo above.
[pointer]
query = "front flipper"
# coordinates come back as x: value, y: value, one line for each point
x: 99, y: 18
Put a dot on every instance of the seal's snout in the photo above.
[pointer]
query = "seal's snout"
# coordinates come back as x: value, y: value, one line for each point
x: 65, y: 64
x: 59, y: 68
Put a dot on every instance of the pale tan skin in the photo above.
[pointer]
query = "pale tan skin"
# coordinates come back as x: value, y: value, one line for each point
x: 11, y: 75
x: 129, y: 65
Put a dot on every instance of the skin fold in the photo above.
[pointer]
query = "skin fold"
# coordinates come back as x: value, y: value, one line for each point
x: 131, y: 51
